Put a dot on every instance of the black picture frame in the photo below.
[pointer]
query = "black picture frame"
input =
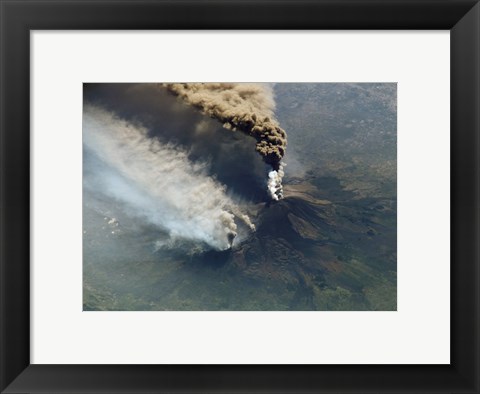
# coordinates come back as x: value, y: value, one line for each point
x: 19, y: 17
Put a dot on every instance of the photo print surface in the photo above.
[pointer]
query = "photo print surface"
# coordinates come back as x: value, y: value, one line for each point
x: 239, y: 196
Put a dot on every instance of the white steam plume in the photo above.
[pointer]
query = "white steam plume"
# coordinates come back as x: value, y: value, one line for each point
x: 158, y: 182
x: 275, y: 187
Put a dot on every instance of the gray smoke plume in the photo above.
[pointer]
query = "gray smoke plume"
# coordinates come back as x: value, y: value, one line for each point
x: 157, y: 181
x: 246, y: 107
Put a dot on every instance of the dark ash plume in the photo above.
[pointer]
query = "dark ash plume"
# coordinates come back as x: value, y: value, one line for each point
x: 173, y: 121
x: 246, y: 107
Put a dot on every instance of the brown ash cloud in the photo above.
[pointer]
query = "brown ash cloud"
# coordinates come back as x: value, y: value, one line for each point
x: 247, y: 107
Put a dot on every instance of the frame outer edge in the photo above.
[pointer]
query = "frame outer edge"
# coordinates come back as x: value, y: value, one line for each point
x: 17, y: 351
x: 465, y: 197
x: 3, y: 358
x: 14, y: 195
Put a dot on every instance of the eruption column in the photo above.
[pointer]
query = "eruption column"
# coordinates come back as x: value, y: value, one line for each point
x: 248, y: 108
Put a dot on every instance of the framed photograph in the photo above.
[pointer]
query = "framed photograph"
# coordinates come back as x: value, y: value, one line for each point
x: 221, y: 196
